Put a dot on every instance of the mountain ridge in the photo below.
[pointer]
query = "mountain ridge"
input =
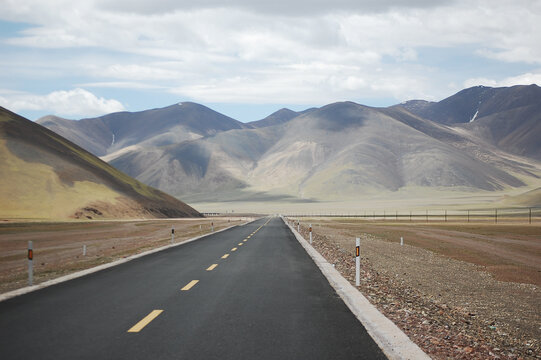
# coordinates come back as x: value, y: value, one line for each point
x: 43, y: 170
x: 347, y: 149
x: 161, y: 126
x: 508, y: 117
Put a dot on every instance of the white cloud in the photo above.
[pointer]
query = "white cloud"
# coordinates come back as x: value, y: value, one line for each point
x: 74, y: 102
x: 282, y: 7
x: 277, y: 51
x: 137, y: 72
x: 120, y: 85
x: 523, y: 79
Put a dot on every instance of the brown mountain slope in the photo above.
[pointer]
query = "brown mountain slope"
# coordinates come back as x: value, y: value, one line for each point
x: 346, y: 149
x: 508, y: 118
x: 45, y: 176
x: 337, y: 152
x: 111, y: 133
x: 529, y: 198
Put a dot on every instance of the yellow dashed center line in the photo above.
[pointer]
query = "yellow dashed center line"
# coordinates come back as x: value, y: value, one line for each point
x: 146, y: 320
x: 190, y: 285
x: 155, y: 313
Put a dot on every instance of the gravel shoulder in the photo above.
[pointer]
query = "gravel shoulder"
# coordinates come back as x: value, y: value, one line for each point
x: 452, y: 309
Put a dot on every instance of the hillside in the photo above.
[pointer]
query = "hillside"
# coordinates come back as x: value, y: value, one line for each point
x: 530, y: 198
x: 157, y: 127
x: 508, y: 118
x: 340, y: 151
x: 478, y: 141
x: 44, y: 176
x: 278, y: 117
x: 346, y: 149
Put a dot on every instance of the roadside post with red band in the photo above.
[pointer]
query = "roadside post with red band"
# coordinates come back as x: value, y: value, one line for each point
x: 30, y: 264
x: 357, y: 262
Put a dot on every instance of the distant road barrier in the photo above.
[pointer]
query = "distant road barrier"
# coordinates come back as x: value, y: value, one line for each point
x: 497, y: 216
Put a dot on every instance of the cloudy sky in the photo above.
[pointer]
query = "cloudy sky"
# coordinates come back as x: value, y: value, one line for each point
x: 249, y: 58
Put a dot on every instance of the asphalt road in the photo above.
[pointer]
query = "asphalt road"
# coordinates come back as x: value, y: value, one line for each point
x: 265, y: 300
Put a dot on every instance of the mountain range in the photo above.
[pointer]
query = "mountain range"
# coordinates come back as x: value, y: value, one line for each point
x: 45, y: 176
x: 478, y: 140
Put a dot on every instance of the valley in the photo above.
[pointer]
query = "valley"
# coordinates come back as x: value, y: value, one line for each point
x: 343, y: 155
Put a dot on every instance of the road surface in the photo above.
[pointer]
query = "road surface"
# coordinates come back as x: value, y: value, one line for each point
x: 250, y: 292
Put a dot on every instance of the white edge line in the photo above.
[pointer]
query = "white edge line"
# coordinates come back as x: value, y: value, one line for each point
x: 394, y: 343
x: 78, y: 274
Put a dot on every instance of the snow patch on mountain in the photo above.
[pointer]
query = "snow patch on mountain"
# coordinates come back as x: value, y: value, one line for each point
x: 474, y: 116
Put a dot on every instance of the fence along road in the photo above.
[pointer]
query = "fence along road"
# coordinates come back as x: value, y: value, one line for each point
x: 250, y: 292
x: 500, y: 215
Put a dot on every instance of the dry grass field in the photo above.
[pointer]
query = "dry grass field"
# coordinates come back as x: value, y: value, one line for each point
x: 509, y: 252
x: 58, y: 246
x: 459, y: 290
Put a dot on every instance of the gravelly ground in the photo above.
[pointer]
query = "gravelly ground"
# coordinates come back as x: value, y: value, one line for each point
x: 451, y: 309
x: 58, y: 246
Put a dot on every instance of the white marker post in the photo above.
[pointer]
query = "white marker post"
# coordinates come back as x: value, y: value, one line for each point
x: 212, y: 226
x: 30, y: 264
x: 172, y: 234
x: 357, y: 262
x: 84, y: 250
x: 310, y: 234
x: 299, y: 223
x: 401, y: 241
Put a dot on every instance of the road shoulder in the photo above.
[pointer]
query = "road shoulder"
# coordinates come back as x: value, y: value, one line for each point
x: 78, y: 274
x: 393, y: 342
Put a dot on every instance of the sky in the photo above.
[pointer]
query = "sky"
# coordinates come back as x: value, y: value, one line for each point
x: 248, y: 58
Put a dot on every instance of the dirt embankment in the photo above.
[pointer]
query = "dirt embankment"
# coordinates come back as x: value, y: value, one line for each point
x: 451, y: 308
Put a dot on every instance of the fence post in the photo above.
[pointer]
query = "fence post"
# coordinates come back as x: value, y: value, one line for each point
x: 530, y: 217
